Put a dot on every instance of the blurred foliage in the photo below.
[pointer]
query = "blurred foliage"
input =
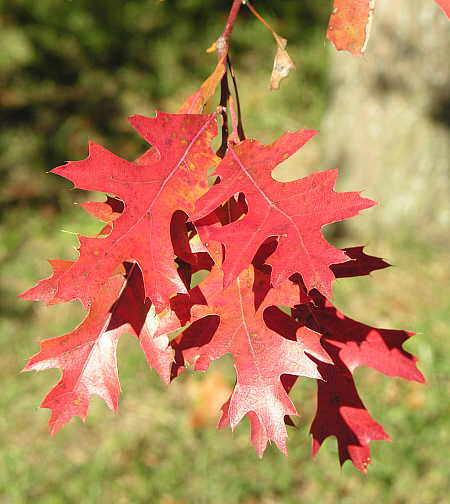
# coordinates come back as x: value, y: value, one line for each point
x: 71, y: 71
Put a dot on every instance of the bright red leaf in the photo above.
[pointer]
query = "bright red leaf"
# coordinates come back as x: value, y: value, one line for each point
x: 151, y: 193
x: 293, y: 211
x: 285, y: 325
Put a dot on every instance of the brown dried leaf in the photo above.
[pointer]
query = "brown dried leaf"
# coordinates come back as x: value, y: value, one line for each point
x: 282, y: 64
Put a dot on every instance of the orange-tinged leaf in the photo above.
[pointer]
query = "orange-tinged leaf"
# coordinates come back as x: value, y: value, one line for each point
x: 208, y: 397
x: 350, y: 23
x: 349, y: 26
x: 197, y: 101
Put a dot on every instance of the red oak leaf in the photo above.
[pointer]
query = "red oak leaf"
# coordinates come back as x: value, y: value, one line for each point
x: 260, y: 355
x: 359, y: 344
x: 87, y: 355
x: 285, y: 325
x: 293, y: 211
x: 341, y: 413
x: 350, y: 344
x: 151, y: 193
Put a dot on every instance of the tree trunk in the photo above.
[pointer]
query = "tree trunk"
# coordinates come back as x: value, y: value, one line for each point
x: 387, y: 128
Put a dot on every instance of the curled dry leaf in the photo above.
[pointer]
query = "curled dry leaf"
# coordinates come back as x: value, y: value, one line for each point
x: 282, y: 64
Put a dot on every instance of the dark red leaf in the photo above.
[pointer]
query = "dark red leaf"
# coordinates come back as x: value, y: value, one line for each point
x: 360, y: 264
x: 341, y: 413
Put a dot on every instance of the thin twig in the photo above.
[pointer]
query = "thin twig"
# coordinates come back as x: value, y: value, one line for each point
x: 223, y: 41
x: 224, y: 95
x: 240, y: 128
x: 264, y: 22
x: 222, y: 45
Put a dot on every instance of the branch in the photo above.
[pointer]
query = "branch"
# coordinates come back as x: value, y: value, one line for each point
x: 222, y: 42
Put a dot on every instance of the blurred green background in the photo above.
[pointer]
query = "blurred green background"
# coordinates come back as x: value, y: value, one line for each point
x: 71, y: 71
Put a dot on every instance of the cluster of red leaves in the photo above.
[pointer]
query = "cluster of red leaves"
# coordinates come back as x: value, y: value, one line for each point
x: 260, y: 243
x: 266, y: 296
